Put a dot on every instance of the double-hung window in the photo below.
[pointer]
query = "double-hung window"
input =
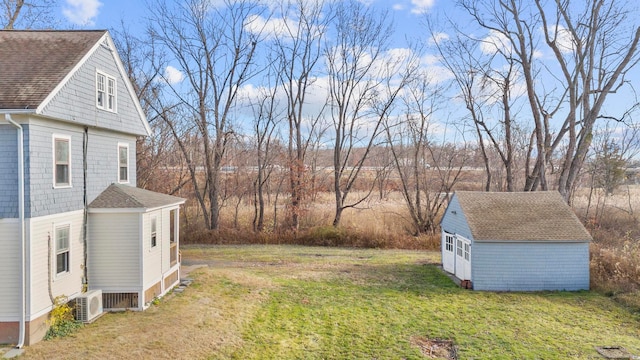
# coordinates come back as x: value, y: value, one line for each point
x: 61, y: 161
x: 62, y: 235
x: 154, y: 232
x: 106, y: 92
x: 123, y: 163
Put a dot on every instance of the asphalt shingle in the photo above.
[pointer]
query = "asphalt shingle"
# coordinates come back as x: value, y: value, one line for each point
x: 33, y: 63
x: 118, y: 196
x: 521, y: 216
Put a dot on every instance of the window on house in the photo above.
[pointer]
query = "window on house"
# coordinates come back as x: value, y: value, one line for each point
x: 105, y: 92
x: 62, y: 234
x: 100, y: 90
x: 62, y: 162
x: 172, y: 226
x: 111, y: 94
x: 123, y: 163
x: 467, y: 250
x: 154, y: 233
x: 459, y: 248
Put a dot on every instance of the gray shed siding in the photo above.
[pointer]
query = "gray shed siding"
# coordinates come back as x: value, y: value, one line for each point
x: 102, y: 167
x: 8, y: 172
x: 530, y: 266
x: 76, y: 101
x: 454, y: 220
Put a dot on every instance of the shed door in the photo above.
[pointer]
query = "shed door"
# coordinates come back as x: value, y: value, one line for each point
x: 448, y: 252
x: 463, y: 258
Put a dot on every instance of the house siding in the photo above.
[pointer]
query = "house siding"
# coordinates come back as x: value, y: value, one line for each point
x: 76, y: 101
x: 530, y: 266
x: 42, y: 260
x: 114, y: 252
x: 9, y: 269
x: 454, y: 221
x: 152, y: 257
x: 8, y: 172
x: 102, y: 166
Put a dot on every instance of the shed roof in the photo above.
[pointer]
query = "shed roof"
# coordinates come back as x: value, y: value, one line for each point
x: 33, y: 63
x: 119, y: 196
x: 521, y: 216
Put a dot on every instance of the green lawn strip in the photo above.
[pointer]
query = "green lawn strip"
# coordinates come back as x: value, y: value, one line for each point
x: 274, y: 254
x: 344, y: 318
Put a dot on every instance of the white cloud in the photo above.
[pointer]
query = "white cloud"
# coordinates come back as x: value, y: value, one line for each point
x: 398, y: 7
x: 81, y: 12
x: 496, y: 42
x: 272, y: 28
x: 438, y: 37
x: 173, y: 75
x: 421, y: 6
x: 563, y: 38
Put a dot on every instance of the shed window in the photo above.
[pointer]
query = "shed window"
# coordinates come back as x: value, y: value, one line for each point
x: 467, y: 248
x: 62, y: 161
x: 448, y: 238
x: 459, y: 247
x: 62, y: 234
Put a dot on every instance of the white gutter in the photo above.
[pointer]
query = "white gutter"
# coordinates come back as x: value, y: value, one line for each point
x: 23, y: 263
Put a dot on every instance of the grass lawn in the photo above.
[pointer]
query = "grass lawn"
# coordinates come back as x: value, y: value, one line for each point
x: 292, y: 302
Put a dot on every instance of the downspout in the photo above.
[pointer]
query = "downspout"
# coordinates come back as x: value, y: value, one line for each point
x: 23, y: 252
x: 85, y: 145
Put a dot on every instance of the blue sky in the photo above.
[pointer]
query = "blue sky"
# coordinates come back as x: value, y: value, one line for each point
x: 407, y: 16
x: 108, y: 14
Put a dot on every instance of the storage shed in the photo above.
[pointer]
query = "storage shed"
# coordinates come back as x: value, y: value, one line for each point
x: 519, y: 241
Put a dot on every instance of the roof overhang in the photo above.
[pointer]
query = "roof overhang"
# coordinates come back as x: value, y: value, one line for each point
x: 133, y: 210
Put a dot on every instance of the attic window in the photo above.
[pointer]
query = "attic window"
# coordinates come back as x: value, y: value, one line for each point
x: 105, y: 92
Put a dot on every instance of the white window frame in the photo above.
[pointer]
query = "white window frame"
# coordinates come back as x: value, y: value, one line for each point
x: 449, y: 240
x: 66, y: 138
x: 120, y: 180
x: 107, y: 86
x: 153, y: 233
x: 60, y: 251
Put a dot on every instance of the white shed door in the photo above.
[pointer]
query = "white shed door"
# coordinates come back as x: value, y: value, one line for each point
x: 448, y: 252
x: 463, y: 258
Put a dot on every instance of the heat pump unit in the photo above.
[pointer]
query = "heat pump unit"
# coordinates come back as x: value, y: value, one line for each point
x: 89, y: 306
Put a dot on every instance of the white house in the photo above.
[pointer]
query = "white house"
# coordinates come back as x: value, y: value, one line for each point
x: 71, y: 217
x: 519, y: 241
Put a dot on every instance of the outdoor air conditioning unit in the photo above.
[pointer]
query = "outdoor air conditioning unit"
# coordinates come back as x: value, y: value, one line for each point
x: 89, y: 306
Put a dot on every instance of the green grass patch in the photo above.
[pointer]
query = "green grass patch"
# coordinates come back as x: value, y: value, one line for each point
x: 374, y: 301
x: 294, y: 302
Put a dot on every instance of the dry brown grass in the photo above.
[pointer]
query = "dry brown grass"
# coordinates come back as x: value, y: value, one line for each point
x: 375, y: 224
x: 383, y: 223
x: 615, y: 251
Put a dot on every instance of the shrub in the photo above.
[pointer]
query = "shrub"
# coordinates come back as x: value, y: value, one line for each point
x: 61, y: 320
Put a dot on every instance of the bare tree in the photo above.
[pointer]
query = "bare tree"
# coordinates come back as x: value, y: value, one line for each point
x: 24, y: 14
x: 427, y: 172
x: 363, y: 85
x: 486, y: 91
x: 593, y: 45
x: 213, y: 48
x: 297, y: 51
x: 266, y: 119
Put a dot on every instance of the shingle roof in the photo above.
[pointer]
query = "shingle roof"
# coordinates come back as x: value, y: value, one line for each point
x: 33, y: 63
x: 118, y: 196
x: 521, y: 216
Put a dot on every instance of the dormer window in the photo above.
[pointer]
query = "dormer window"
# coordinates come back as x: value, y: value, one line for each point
x: 105, y: 92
